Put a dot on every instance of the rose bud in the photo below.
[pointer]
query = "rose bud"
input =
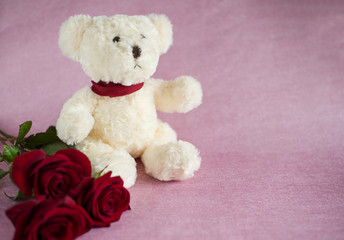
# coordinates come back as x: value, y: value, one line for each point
x: 104, y: 198
x: 49, y: 219
x: 51, y: 177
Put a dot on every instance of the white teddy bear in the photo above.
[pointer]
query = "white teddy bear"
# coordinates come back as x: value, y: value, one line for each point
x: 115, y: 121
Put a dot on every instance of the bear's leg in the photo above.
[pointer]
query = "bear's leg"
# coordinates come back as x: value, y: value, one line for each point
x: 103, y: 155
x: 168, y: 159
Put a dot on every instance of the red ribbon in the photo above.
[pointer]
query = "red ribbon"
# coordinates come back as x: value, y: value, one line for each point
x: 114, y: 89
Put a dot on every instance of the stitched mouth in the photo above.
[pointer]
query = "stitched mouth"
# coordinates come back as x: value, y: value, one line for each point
x: 136, y: 65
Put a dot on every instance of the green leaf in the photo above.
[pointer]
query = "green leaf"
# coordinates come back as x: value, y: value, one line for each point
x: 10, y: 152
x: 71, y: 146
x: 100, y: 173
x: 19, y: 197
x: 23, y: 130
x: 10, y: 172
x: 3, y: 173
x: 43, y: 138
x: 52, y: 148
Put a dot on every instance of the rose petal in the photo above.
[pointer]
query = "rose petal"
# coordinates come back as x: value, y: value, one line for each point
x: 22, y: 168
x: 49, y: 219
x: 39, y: 190
x: 45, y: 173
x: 14, y: 212
x: 78, y: 157
x: 56, y: 228
x: 82, y: 189
x: 51, y: 162
x: 106, y: 200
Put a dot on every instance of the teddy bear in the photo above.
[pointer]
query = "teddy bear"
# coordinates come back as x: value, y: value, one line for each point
x: 114, y: 119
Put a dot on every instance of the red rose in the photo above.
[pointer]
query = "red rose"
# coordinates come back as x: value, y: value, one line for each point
x: 104, y: 198
x: 52, y: 176
x: 49, y: 219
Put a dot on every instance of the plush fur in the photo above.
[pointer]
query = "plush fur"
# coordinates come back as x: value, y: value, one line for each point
x: 112, y: 132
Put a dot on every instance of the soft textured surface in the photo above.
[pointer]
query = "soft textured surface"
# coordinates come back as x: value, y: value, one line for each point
x: 270, y: 129
x: 113, y: 130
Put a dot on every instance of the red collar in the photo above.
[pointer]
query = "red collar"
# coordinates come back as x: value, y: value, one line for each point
x: 114, y: 89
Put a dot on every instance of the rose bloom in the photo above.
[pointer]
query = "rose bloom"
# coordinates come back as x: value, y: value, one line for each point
x: 52, y: 176
x: 104, y: 198
x: 49, y: 219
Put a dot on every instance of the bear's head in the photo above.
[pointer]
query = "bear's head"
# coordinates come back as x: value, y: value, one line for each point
x: 119, y: 49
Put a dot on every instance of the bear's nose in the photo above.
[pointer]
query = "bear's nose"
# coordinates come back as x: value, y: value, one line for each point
x: 136, y: 52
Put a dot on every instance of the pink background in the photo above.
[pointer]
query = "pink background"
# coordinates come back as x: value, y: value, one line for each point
x: 270, y: 129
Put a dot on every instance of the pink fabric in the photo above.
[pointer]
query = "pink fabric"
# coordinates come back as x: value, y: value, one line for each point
x: 270, y: 130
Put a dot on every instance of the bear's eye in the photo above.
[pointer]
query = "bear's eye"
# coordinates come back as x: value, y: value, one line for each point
x: 116, y: 39
x: 143, y: 36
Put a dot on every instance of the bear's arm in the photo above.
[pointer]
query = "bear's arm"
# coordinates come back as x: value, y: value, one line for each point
x: 179, y: 95
x: 76, y: 120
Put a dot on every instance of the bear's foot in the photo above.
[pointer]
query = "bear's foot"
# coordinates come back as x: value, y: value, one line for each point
x: 119, y: 163
x: 171, y: 161
x: 104, y: 157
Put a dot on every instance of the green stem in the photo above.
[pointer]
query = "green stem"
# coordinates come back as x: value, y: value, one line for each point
x: 6, y: 135
x: 4, y: 140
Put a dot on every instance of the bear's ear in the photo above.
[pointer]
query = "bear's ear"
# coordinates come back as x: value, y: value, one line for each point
x: 71, y: 34
x: 164, y: 26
